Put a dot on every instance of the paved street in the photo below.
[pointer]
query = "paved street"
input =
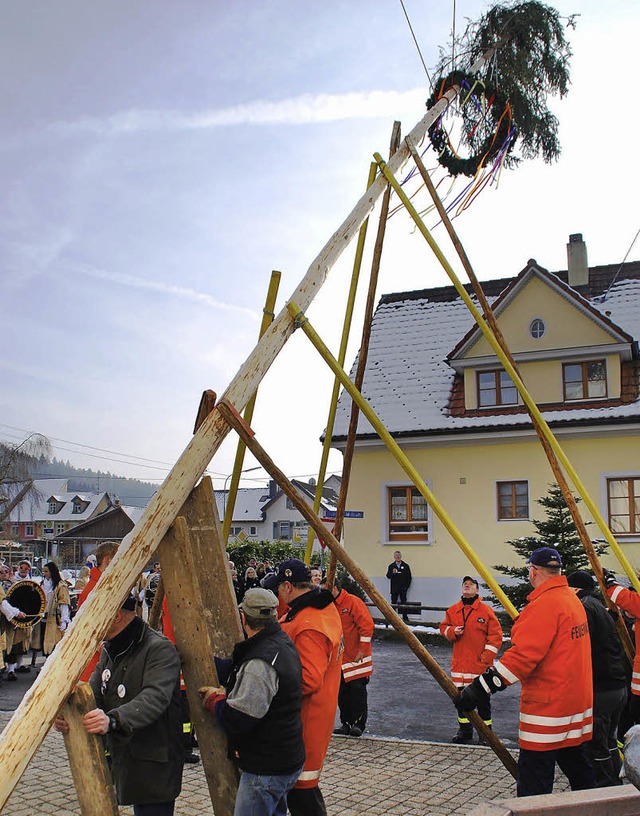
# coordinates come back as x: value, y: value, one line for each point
x: 377, y: 775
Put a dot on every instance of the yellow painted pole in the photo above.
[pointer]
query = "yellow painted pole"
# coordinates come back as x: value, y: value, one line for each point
x: 522, y: 390
x: 342, y: 353
x: 268, y: 314
x: 404, y: 462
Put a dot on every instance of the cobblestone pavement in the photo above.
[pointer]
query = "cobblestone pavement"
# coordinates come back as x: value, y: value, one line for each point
x: 362, y: 777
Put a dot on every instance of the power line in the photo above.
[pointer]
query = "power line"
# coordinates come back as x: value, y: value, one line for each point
x: 424, y: 65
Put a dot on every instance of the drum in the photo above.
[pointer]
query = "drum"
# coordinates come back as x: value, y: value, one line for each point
x: 28, y: 596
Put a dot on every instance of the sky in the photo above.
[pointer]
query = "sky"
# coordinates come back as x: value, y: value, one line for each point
x: 158, y: 160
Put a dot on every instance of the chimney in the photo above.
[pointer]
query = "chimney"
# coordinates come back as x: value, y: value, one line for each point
x: 273, y: 488
x: 577, y: 261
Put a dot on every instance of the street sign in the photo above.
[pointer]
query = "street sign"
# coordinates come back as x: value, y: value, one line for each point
x: 331, y: 514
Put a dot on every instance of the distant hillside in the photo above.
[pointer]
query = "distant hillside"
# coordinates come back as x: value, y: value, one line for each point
x: 85, y: 480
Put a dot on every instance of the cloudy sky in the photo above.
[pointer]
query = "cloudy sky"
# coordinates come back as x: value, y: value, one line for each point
x: 159, y: 159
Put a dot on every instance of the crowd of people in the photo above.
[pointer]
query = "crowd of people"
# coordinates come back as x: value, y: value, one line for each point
x: 307, y: 654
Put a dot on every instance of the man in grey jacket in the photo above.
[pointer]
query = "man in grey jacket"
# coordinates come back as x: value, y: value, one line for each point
x: 137, y: 689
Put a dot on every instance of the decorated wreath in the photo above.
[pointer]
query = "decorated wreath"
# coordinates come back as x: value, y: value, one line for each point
x: 490, y: 129
x: 504, y: 108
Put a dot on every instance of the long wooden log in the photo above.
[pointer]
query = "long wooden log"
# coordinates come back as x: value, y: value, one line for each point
x: 205, y: 618
x: 363, y: 356
x: 441, y: 677
x: 558, y: 473
x: 34, y: 716
x: 91, y: 775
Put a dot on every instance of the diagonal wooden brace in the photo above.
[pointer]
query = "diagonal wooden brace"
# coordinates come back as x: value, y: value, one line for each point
x: 231, y: 415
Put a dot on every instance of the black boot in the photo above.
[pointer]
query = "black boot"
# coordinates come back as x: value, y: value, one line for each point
x: 464, y: 735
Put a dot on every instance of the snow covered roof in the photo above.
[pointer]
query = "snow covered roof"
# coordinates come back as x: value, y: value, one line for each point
x: 36, y: 508
x: 408, y: 381
x: 248, y: 506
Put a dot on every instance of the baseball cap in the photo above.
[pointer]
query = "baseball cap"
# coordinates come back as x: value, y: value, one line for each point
x: 259, y: 603
x: 581, y: 580
x: 469, y: 578
x: 293, y: 569
x: 545, y: 557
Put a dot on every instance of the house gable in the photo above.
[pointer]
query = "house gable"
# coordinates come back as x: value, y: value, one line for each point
x: 569, y: 321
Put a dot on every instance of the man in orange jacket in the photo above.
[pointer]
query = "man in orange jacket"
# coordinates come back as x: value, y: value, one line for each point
x: 550, y: 655
x: 313, y: 623
x: 357, y: 667
x: 477, y: 637
x: 104, y: 556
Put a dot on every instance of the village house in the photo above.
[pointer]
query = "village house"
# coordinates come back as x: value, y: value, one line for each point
x: 267, y: 514
x: 440, y: 390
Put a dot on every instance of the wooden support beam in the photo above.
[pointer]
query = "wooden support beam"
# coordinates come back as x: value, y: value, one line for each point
x: 556, y: 469
x: 34, y: 716
x: 91, y: 775
x: 442, y: 678
x: 204, y: 614
x: 363, y: 356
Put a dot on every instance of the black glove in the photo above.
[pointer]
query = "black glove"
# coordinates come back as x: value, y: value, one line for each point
x: 470, y: 697
x: 610, y: 579
x: 476, y: 691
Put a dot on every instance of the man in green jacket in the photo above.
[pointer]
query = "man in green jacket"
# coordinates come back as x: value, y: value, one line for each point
x: 137, y: 689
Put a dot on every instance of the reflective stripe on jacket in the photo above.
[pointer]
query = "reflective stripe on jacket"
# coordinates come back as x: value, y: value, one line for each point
x: 551, y: 656
x: 477, y: 647
x: 630, y: 602
x: 357, y: 629
x: 317, y: 634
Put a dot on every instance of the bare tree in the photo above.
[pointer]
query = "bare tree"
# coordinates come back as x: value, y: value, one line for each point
x: 17, y: 465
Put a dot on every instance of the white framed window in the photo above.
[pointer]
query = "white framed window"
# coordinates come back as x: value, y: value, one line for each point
x: 253, y: 530
x: 15, y: 531
x: 234, y: 531
x: 406, y: 516
x: 53, y: 508
x: 28, y: 530
x: 282, y: 530
x: 537, y: 328
x: 59, y: 527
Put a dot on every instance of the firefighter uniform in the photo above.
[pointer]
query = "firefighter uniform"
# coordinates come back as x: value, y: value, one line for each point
x: 357, y: 666
x: 551, y: 656
x: 314, y: 626
x: 473, y: 650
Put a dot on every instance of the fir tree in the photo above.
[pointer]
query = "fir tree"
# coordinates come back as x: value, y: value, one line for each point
x: 557, y: 531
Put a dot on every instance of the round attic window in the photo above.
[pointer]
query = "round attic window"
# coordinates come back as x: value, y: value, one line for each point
x: 537, y: 328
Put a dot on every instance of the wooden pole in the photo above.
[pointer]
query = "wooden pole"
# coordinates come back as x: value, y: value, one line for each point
x: 267, y: 319
x: 442, y: 678
x: 91, y: 775
x: 342, y: 353
x: 156, y: 608
x: 404, y: 461
x: 362, y: 359
x: 550, y: 453
x: 204, y: 614
x: 34, y: 716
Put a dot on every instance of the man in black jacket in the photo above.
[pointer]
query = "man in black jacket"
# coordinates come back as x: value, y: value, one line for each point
x: 399, y: 573
x: 137, y: 689
x: 260, y: 710
x: 609, y: 681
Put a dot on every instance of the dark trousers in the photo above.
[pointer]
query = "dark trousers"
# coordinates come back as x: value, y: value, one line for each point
x: 484, y: 710
x: 352, y: 702
x: 536, y: 770
x: 155, y: 809
x: 603, y: 748
x: 400, y: 597
x: 306, y: 802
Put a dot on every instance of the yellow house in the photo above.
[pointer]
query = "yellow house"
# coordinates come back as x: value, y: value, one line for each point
x: 435, y: 382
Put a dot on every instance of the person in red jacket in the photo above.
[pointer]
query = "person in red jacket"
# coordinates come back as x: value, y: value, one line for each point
x: 629, y: 602
x: 314, y: 625
x: 357, y: 666
x: 104, y: 556
x: 550, y: 655
x: 476, y: 634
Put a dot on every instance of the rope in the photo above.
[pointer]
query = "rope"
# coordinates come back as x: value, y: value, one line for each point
x: 424, y: 65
